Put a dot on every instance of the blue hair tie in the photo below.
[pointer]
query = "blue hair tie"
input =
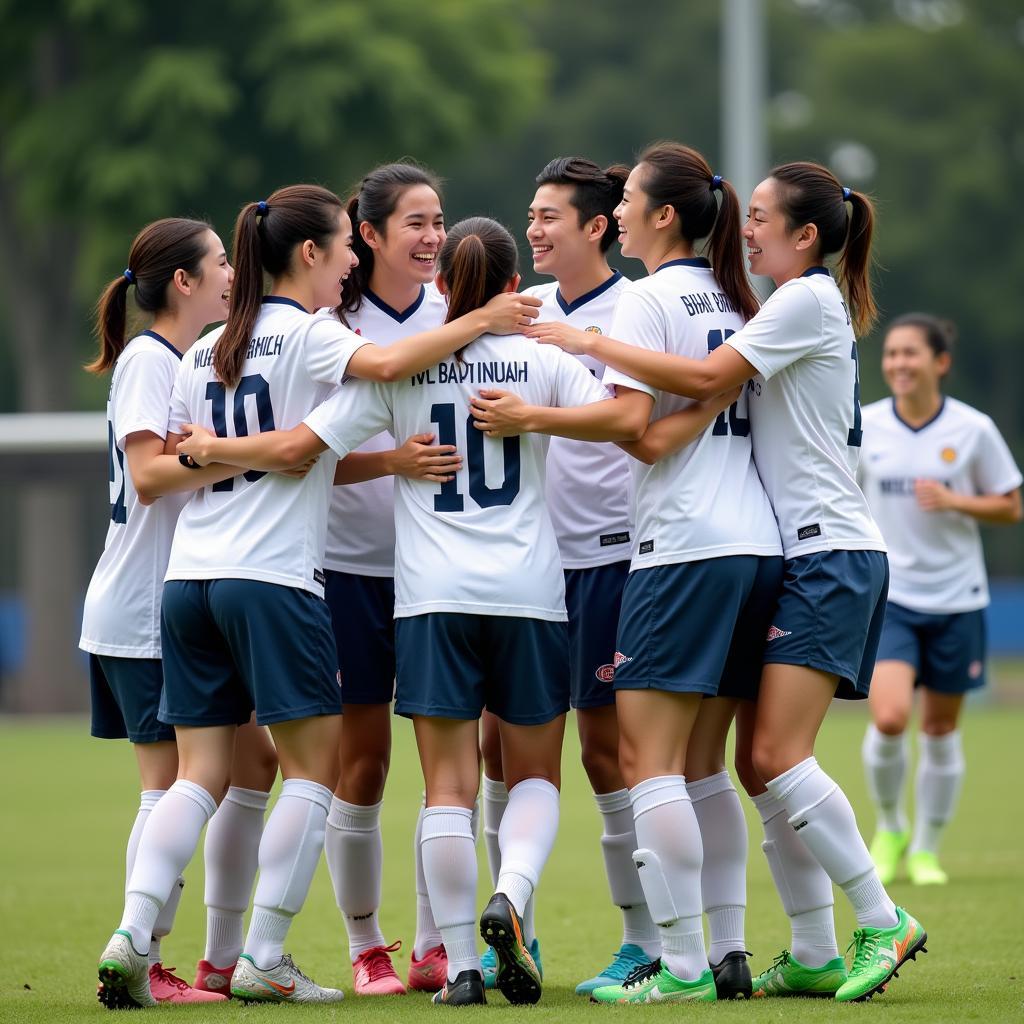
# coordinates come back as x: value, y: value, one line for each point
x: 129, y: 276
x: 846, y: 193
x: 716, y: 182
x: 262, y: 208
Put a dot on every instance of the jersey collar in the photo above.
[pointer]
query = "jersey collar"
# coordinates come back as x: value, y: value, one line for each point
x: 927, y: 422
x: 393, y: 313
x: 162, y: 340
x: 812, y: 271
x: 280, y: 300
x: 702, y: 262
x: 571, y: 307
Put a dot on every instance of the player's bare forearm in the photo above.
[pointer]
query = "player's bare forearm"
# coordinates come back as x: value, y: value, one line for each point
x: 671, y: 433
x: 995, y: 509
x: 610, y: 420
x: 271, y: 451
x: 358, y: 467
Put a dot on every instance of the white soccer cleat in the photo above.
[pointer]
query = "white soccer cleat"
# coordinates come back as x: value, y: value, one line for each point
x: 124, y: 974
x: 282, y: 983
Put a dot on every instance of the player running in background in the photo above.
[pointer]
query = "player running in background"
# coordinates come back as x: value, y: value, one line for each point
x: 801, y: 351
x: 244, y: 626
x: 932, y: 469
x: 706, y: 568
x: 398, y: 227
x: 479, y: 602
x: 181, y: 277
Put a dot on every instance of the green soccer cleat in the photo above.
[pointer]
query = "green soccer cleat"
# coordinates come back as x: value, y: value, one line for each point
x: 655, y: 983
x: 628, y: 958
x: 923, y: 868
x: 887, y: 849
x: 788, y: 977
x: 878, y: 953
x: 489, y: 964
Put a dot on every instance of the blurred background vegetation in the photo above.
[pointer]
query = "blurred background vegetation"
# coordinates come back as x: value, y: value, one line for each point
x: 113, y: 114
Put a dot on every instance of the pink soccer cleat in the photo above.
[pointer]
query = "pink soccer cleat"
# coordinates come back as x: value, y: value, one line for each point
x: 375, y: 974
x: 430, y: 973
x: 213, y: 979
x: 167, y: 987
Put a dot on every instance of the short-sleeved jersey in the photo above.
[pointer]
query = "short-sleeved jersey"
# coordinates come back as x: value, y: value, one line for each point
x: 806, y: 417
x: 704, y: 501
x: 122, y: 605
x: 261, y: 526
x: 482, y: 543
x: 589, y: 490
x: 361, y: 522
x: 935, y: 558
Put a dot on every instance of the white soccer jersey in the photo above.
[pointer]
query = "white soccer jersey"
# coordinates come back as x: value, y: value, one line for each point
x: 261, y: 526
x: 361, y: 522
x: 935, y: 558
x: 706, y: 500
x: 806, y: 416
x: 589, y: 489
x: 122, y: 605
x: 482, y: 543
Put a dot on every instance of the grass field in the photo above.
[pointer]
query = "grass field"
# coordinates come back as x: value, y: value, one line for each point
x: 70, y: 800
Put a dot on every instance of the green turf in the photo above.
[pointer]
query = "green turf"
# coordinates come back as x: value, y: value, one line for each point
x: 70, y: 800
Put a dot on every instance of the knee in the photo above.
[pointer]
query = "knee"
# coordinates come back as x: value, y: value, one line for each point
x: 891, y: 721
x: 264, y: 770
x: 601, y: 763
x: 362, y: 780
x: 769, y: 758
x: 749, y: 778
x: 490, y: 753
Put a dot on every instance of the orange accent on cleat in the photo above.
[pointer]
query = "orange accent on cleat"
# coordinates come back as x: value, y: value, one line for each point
x: 167, y: 987
x: 429, y: 973
x: 375, y: 974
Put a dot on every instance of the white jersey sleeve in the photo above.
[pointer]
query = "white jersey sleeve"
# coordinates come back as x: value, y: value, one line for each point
x: 358, y: 410
x: 994, y: 470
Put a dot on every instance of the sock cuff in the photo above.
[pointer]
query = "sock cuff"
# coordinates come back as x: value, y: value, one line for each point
x: 196, y: 794
x: 783, y: 785
x: 653, y: 793
x: 495, y: 789
x: 354, y: 817
x: 881, y: 743
x: 446, y: 823
x: 712, y: 785
x: 609, y: 803
x: 254, y: 799
x: 768, y: 806
x: 307, y: 789
x: 149, y: 798
x: 944, y: 749
x: 534, y: 785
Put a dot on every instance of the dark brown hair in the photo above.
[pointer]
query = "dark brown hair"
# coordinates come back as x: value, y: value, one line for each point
x: 373, y: 202
x: 940, y: 334
x: 478, y: 259
x: 811, y: 194
x: 158, y: 251
x: 678, y: 176
x: 266, y: 235
x: 595, y: 191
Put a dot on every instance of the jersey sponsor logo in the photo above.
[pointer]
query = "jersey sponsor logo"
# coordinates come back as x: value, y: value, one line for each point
x: 605, y: 673
x: 806, y: 532
x: 948, y: 454
x: 774, y: 633
x: 593, y: 329
x: 620, y: 659
x: 608, y: 539
x: 796, y: 828
x: 647, y: 547
x: 319, y: 577
x: 492, y: 372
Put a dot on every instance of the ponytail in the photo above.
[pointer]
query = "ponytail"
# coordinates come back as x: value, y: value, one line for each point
x: 159, y: 249
x: 266, y: 236
x: 467, y: 277
x: 811, y: 194
x: 595, y: 191
x: 726, y: 250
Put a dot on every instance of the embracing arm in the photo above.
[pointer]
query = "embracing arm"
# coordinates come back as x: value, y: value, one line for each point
x: 155, y: 473
x: 274, y: 450
x: 416, y: 459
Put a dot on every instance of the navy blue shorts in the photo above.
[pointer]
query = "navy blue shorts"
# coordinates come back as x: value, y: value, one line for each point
x: 363, y: 617
x: 829, y: 616
x: 452, y: 665
x: 947, y: 652
x: 126, y: 698
x: 592, y: 599
x: 697, y: 627
x: 231, y: 646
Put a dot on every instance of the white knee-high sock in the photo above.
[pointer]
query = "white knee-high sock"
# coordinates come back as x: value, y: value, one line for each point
x: 165, y: 920
x: 527, y: 833
x: 885, y: 765
x: 231, y: 855
x: 169, y: 838
x: 617, y: 844
x: 495, y: 800
x: 449, y: 864
x: 940, y: 775
x: 802, y: 884
x: 148, y: 799
x: 427, y: 934
x: 668, y: 858
x: 289, y: 851
x: 723, y: 876
x: 819, y: 811
x: 354, y: 852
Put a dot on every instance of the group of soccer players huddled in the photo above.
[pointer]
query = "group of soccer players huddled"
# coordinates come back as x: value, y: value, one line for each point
x: 393, y: 483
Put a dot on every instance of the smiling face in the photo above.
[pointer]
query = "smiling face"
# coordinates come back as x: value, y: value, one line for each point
x: 638, y: 233
x: 773, y: 250
x: 211, y: 288
x: 559, y: 243
x: 407, y: 247
x: 910, y: 366
x: 331, y: 266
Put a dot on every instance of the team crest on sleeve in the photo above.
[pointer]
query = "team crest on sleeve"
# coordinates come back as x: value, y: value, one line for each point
x: 774, y: 633
x: 593, y: 329
x: 948, y: 454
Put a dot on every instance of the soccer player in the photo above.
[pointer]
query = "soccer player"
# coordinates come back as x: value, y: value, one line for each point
x: 706, y: 566
x: 244, y: 626
x: 801, y: 352
x: 479, y: 602
x: 180, y: 275
x: 932, y: 469
x: 398, y: 227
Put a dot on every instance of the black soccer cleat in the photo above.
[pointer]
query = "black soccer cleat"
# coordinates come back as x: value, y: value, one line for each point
x: 732, y: 976
x: 466, y: 990
x: 518, y: 978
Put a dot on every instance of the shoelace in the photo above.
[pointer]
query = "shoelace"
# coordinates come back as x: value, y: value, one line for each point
x: 378, y: 962
x: 167, y: 974
x: 640, y: 974
x: 287, y: 961
x: 864, y: 945
x: 779, y: 962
